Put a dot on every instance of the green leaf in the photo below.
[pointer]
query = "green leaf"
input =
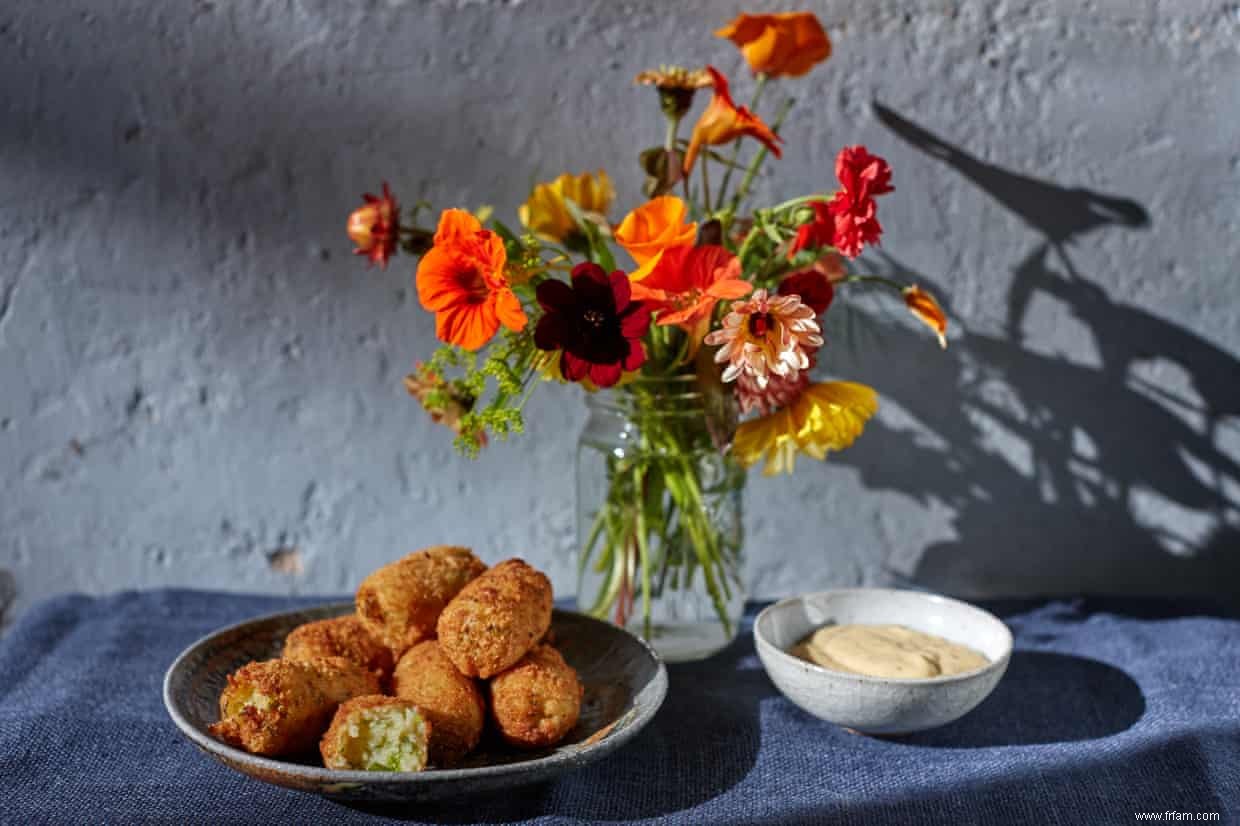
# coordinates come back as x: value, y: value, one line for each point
x: 507, y: 234
x: 598, y: 250
x: 726, y: 162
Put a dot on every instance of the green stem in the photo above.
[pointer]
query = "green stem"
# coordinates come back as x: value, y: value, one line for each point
x: 736, y: 148
x: 705, y: 167
x: 874, y: 279
x: 669, y: 140
x: 796, y: 202
x: 754, y: 233
x: 596, y: 530
x: 643, y: 550
x: 690, y: 504
x: 610, y: 587
x: 655, y: 528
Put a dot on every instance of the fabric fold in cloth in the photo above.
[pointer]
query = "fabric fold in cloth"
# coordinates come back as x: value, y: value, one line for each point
x: 1110, y: 707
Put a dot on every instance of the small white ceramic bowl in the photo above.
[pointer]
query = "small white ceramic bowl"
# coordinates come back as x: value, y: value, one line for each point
x: 879, y: 705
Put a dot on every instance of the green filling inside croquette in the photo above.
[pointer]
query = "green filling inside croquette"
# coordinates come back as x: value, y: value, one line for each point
x: 386, y: 739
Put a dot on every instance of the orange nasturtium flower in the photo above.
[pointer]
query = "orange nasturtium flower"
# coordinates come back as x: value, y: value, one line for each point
x: 788, y: 44
x: 545, y: 214
x: 723, y: 122
x: 923, y: 306
x: 461, y: 280
x: 653, y: 227
x: 687, y: 284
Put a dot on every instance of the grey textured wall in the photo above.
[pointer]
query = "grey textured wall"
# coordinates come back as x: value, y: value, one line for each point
x: 199, y: 386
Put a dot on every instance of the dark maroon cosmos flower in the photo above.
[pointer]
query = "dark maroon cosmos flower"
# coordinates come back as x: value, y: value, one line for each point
x: 595, y: 323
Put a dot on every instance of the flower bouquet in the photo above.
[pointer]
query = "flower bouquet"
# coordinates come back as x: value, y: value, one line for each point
x: 704, y: 334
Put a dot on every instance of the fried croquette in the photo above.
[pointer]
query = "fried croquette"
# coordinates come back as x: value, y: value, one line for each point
x: 282, y: 706
x: 340, y: 637
x: 496, y: 619
x: 377, y: 733
x: 447, y: 698
x: 537, y: 701
x: 400, y: 603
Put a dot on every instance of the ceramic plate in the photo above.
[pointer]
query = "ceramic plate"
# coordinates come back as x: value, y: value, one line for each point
x: 624, y: 680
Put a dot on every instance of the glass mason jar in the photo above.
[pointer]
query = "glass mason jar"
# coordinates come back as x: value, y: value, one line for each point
x: 659, y: 516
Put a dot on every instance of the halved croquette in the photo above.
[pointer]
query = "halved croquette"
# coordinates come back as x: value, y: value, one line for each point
x: 377, y: 733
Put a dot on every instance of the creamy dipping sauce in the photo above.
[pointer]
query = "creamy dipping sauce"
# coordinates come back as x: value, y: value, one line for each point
x: 886, y: 651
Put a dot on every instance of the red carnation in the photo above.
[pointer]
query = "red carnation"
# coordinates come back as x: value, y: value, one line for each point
x: 594, y: 322
x: 863, y: 177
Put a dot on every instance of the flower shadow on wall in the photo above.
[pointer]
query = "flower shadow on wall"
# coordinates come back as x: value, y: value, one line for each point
x: 1119, y: 473
x: 8, y: 593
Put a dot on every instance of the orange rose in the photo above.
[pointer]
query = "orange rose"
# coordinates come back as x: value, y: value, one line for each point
x: 923, y: 307
x: 653, y: 227
x: 787, y: 44
x: 723, y: 122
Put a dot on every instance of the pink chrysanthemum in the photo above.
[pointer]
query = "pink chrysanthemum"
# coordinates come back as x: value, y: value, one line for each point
x: 764, y: 336
x: 779, y: 392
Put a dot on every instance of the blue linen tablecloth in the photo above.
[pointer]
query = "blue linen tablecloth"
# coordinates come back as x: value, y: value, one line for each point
x: 1110, y: 708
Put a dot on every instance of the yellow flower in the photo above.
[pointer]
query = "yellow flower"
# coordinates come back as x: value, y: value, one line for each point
x: 546, y: 215
x: 827, y: 416
x: 653, y: 227
x: 923, y: 306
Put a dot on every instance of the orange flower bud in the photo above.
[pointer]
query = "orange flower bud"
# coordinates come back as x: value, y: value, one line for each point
x: 676, y: 86
x: 923, y: 306
x: 723, y: 122
x: 653, y: 227
x: 462, y: 280
x: 787, y: 44
x: 375, y: 227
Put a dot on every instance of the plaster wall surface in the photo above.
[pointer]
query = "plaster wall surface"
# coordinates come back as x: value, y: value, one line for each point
x: 200, y: 386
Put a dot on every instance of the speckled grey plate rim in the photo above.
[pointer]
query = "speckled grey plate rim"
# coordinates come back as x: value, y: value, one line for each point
x: 866, y: 678
x: 634, y: 720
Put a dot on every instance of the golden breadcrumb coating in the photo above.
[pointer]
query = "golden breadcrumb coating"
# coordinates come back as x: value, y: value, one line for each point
x: 537, y: 701
x: 282, y: 706
x: 449, y: 699
x: 496, y: 619
x: 400, y: 603
x: 340, y: 637
x: 377, y: 733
